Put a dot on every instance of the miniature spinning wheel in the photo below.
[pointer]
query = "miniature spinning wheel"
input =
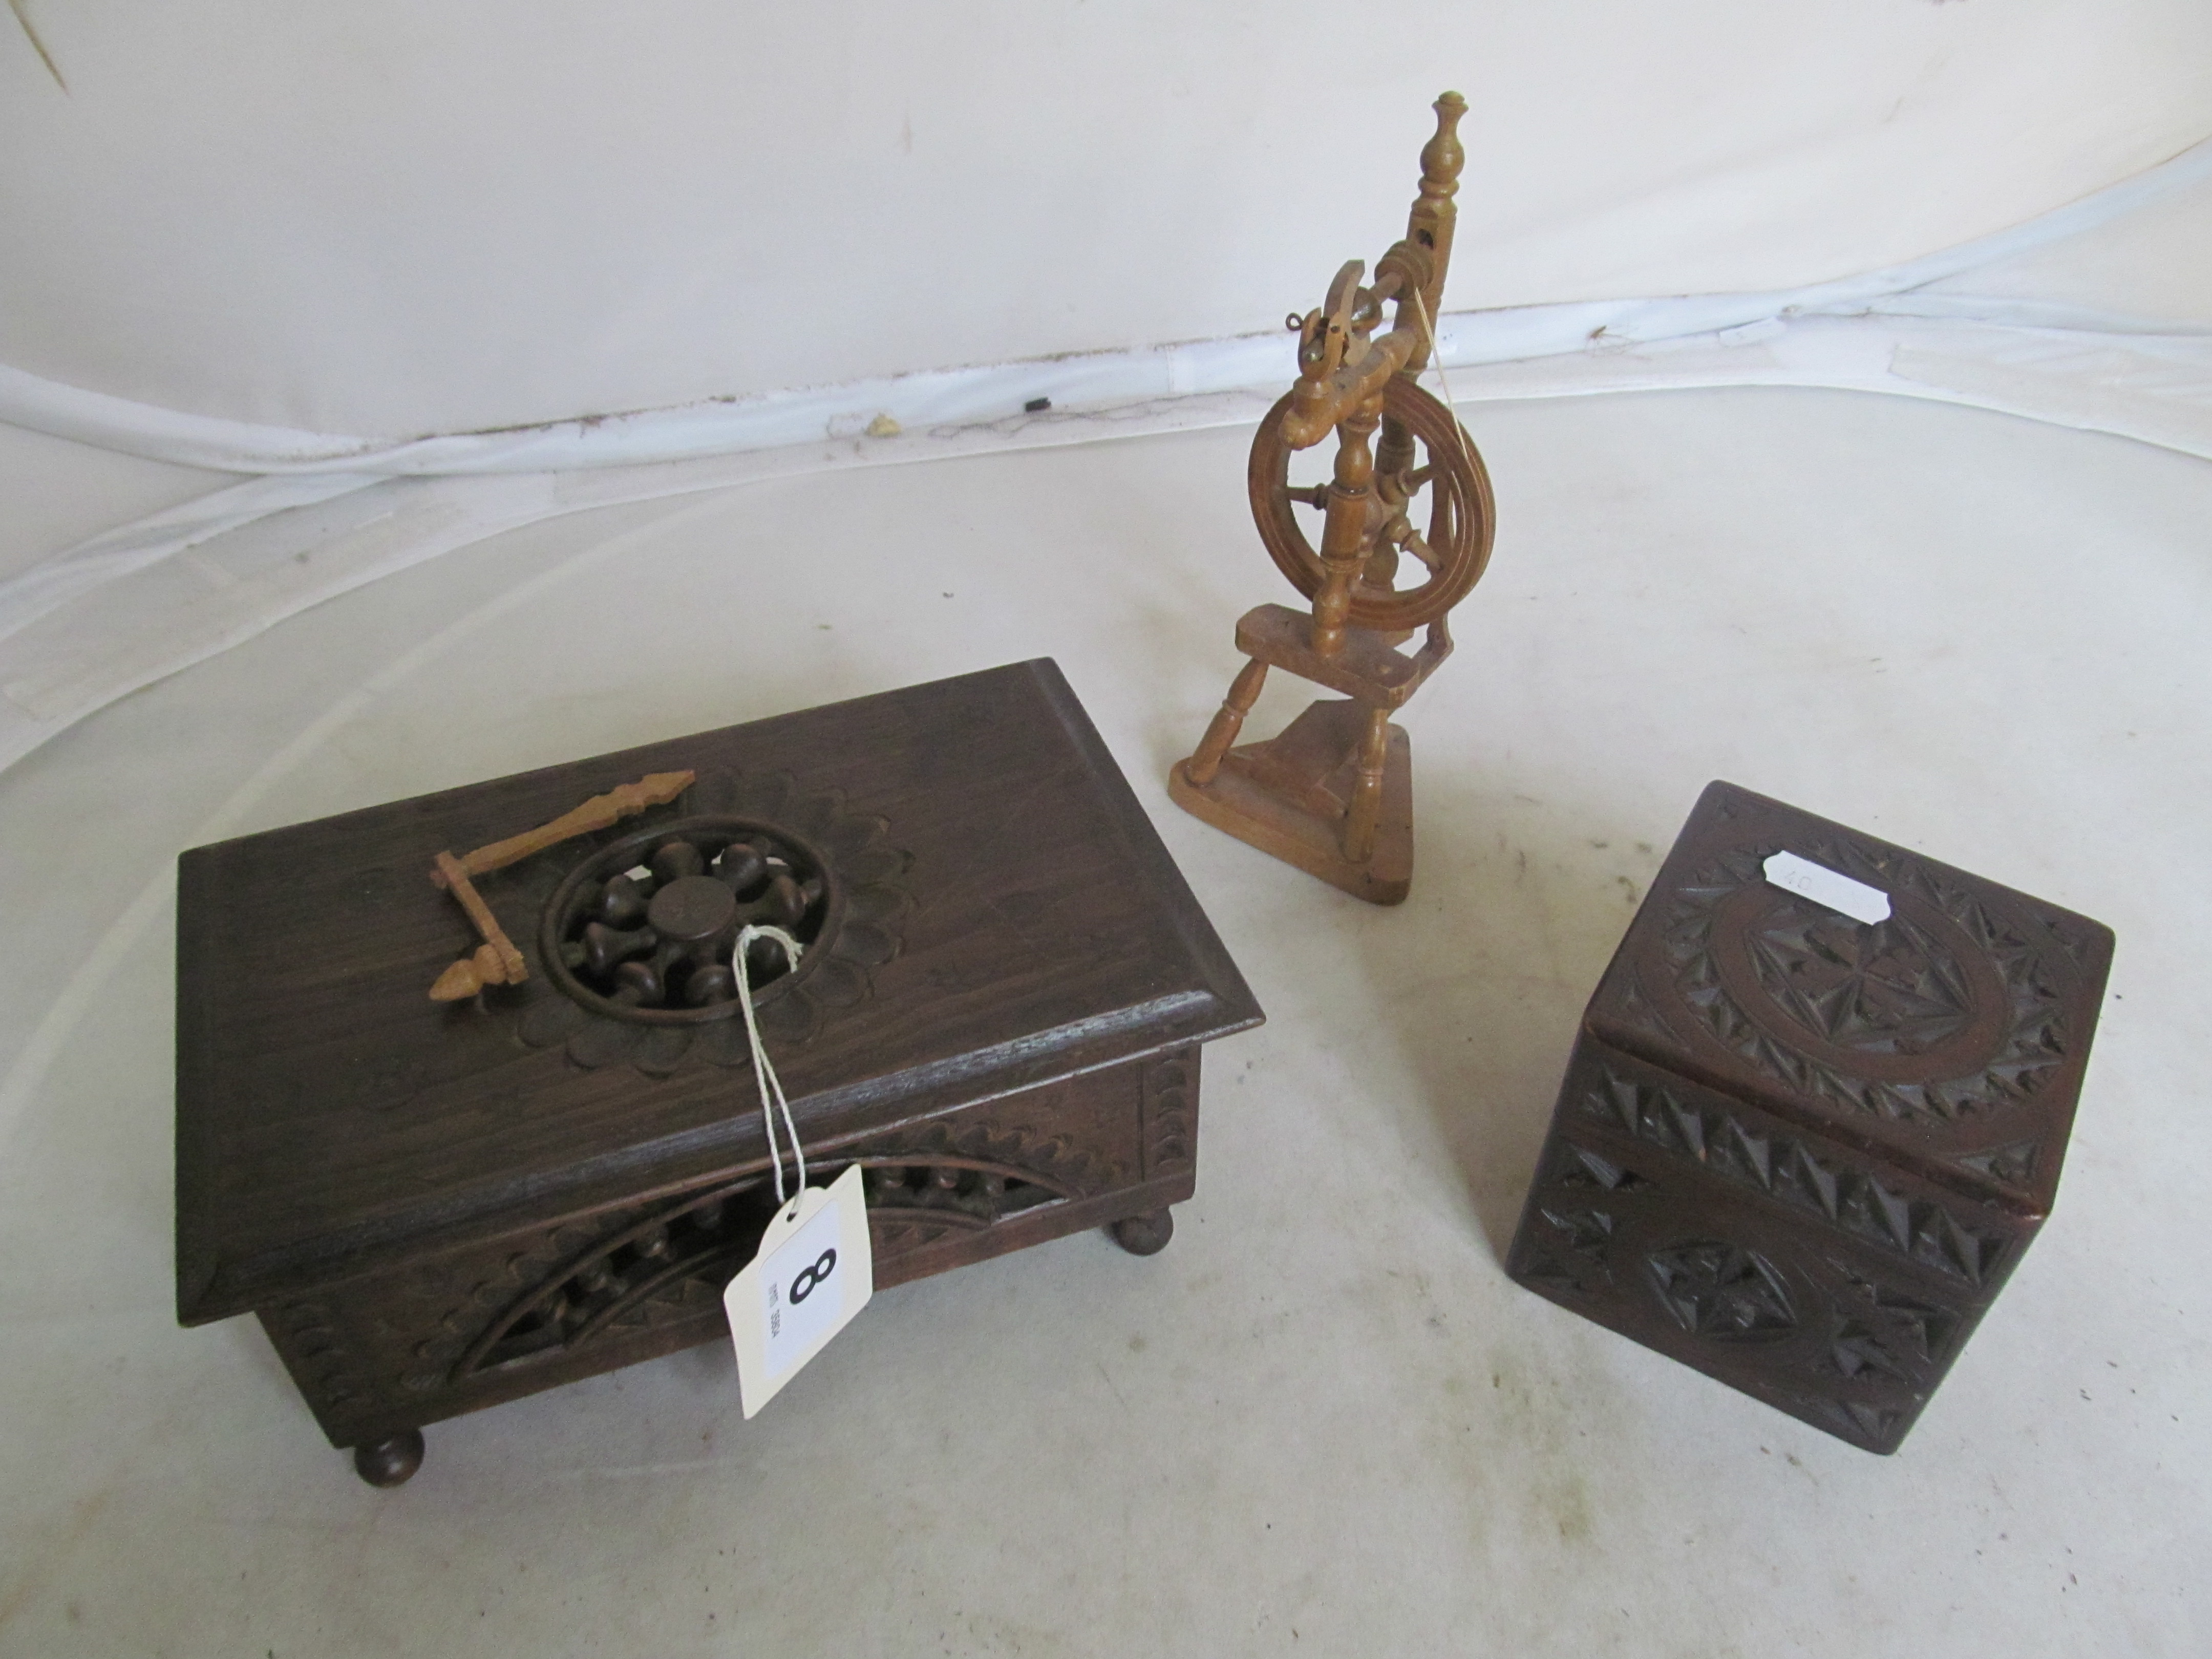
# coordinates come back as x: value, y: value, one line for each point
x: 1333, y: 794
x: 1452, y: 548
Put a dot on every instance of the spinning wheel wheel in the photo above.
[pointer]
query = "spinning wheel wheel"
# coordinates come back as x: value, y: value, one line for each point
x: 1455, y: 549
x: 1332, y: 794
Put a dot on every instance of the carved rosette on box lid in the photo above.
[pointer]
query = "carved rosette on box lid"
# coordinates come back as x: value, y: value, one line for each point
x: 1950, y: 1013
x: 629, y: 954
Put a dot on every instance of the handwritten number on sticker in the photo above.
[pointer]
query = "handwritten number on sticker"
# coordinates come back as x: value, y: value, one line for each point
x: 803, y: 1287
x: 1824, y: 886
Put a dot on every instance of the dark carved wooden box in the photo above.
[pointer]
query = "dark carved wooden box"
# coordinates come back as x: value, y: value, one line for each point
x: 434, y: 1207
x: 1802, y: 1152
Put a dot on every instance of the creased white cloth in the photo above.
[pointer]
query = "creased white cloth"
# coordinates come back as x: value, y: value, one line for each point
x: 326, y: 514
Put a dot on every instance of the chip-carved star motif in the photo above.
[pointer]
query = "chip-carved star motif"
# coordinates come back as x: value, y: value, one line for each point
x: 1888, y: 989
x: 1721, y: 1290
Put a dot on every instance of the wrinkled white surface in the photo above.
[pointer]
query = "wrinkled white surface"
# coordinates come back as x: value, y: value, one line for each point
x: 124, y: 609
x: 1945, y: 285
x: 1322, y: 1420
x: 395, y: 217
x: 2153, y: 261
x: 92, y: 622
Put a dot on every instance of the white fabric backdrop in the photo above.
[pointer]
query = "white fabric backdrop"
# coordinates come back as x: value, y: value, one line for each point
x: 395, y: 217
x: 320, y: 248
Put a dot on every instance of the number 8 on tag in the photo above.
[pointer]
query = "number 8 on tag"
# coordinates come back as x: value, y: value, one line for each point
x: 813, y: 1272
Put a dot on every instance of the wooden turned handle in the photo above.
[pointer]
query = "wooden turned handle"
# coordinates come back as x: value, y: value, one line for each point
x: 496, y: 962
x: 455, y: 880
x: 600, y: 812
x: 482, y: 967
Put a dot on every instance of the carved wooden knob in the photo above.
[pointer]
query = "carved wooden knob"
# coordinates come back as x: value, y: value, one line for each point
x: 637, y: 985
x: 741, y: 867
x: 620, y: 904
x: 691, y: 908
x: 765, y: 959
x: 605, y: 946
x: 672, y: 861
x: 784, y: 905
x: 714, y: 984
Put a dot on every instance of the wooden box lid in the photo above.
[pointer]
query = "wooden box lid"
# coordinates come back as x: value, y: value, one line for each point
x: 1002, y: 915
x: 1949, y: 1039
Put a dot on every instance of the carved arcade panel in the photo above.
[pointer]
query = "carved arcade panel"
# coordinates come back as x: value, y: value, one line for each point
x: 641, y: 1278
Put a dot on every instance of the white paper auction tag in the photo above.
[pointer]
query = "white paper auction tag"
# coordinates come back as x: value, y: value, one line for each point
x: 814, y: 1272
x: 1825, y: 886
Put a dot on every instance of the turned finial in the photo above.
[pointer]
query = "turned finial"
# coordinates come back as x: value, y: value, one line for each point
x: 1442, y: 158
x: 1429, y: 226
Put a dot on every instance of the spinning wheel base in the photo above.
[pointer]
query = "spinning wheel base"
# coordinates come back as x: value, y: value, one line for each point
x: 1288, y: 796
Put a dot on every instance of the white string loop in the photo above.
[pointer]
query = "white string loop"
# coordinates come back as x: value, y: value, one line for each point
x: 771, y: 1086
x: 1437, y: 362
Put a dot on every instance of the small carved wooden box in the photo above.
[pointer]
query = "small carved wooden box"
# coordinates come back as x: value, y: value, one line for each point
x: 1803, y: 1152
x: 438, y: 1206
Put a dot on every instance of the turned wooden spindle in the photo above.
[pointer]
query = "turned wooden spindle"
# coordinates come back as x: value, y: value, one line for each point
x: 1243, y: 692
x: 1429, y: 228
x: 1362, y: 813
x: 1431, y: 223
x: 600, y: 812
x: 1344, y: 545
x: 606, y: 946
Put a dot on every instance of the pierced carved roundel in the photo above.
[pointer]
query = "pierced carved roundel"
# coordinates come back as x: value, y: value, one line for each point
x: 644, y: 930
x: 632, y: 953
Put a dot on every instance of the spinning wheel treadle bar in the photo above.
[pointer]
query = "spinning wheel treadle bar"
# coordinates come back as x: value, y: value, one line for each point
x: 1333, y: 794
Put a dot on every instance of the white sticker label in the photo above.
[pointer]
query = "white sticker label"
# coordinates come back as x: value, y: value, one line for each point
x: 814, y: 1272
x: 1825, y: 886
